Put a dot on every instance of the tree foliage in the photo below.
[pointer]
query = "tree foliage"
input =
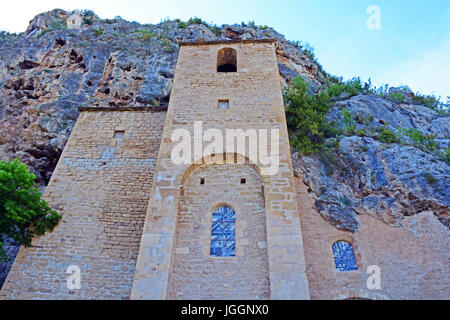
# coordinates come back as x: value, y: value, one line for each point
x: 22, y: 211
x: 305, y: 115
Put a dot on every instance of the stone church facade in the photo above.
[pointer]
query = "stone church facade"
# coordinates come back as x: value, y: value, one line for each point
x: 139, y: 225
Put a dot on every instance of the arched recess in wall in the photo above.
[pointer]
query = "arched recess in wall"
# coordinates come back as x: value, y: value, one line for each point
x: 226, y: 60
x: 241, y: 237
x: 224, y: 158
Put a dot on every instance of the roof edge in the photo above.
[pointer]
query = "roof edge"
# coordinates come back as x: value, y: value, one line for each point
x: 197, y: 43
x: 122, y: 108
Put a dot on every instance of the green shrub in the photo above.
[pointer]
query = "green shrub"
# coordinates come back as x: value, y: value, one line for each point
x: 445, y: 156
x: 433, y: 103
x: 349, y: 122
x: 55, y: 24
x: 214, y: 28
x: 166, y: 44
x: 350, y: 88
x: 88, y: 20
x: 22, y: 211
x: 396, y: 97
x: 329, y: 160
x: 252, y: 24
x: 87, y: 13
x: 195, y: 20
x: 181, y: 24
x: 98, y: 32
x: 429, y: 177
x: 420, y: 140
x: 361, y: 133
x: 305, y: 116
x: 387, y: 136
x: 4, y: 35
x: 144, y: 34
x: 88, y: 16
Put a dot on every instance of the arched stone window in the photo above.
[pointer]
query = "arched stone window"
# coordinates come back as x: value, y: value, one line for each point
x: 344, y: 257
x: 223, y: 232
x: 226, y: 60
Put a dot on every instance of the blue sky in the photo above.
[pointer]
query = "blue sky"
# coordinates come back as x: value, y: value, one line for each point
x: 412, y: 47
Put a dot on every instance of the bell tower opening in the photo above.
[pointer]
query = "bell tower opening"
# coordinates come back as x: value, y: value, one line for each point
x: 227, y: 60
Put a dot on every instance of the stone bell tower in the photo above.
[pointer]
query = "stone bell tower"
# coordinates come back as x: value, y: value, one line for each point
x: 221, y: 226
x: 140, y: 223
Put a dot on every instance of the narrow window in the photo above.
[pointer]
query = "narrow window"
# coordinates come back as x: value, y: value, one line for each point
x: 344, y: 258
x: 224, y: 104
x: 243, y: 181
x: 119, y: 134
x: 226, y: 60
x: 223, y: 232
x: 202, y: 180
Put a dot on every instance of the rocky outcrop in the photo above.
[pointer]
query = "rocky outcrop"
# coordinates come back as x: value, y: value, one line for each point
x: 11, y: 250
x: 48, y: 71
x: 388, y: 181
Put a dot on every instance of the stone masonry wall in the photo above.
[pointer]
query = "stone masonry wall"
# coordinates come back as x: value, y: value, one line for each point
x: 255, y: 102
x: 101, y: 187
x: 245, y: 276
x: 413, y: 259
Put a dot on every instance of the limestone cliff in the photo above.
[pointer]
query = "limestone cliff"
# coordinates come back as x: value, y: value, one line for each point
x: 49, y: 71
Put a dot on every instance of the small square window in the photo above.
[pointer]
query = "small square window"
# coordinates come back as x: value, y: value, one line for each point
x: 243, y: 181
x: 224, y: 104
x: 202, y: 180
x: 119, y: 134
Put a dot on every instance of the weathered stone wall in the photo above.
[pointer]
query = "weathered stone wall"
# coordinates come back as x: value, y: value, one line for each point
x: 101, y: 187
x: 254, y: 94
x: 413, y: 258
x: 195, y: 273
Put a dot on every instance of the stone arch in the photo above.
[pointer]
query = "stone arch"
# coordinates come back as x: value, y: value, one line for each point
x: 357, y: 294
x: 224, y: 158
x: 227, y: 60
x: 223, y: 204
x: 352, y: 241
x: 193, y: 232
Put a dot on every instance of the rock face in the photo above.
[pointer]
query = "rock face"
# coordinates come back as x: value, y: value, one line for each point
x: 11, y: 250
x: 385, y: 180
x: 48, y: 71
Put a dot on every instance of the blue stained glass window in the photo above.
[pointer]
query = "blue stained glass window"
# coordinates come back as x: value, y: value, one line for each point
x: 344, y: 258
x: 223, y: 231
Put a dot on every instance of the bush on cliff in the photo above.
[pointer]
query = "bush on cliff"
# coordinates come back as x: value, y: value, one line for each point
x: 22, y: 211
x: 305, y: 115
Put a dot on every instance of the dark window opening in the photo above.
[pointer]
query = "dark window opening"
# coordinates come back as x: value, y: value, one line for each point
x: 224, y: 104
x: 202, y: 180
x: 243, y: 181
x: 119, y: 134
x: 226, y: 60
x: 227, y: 68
